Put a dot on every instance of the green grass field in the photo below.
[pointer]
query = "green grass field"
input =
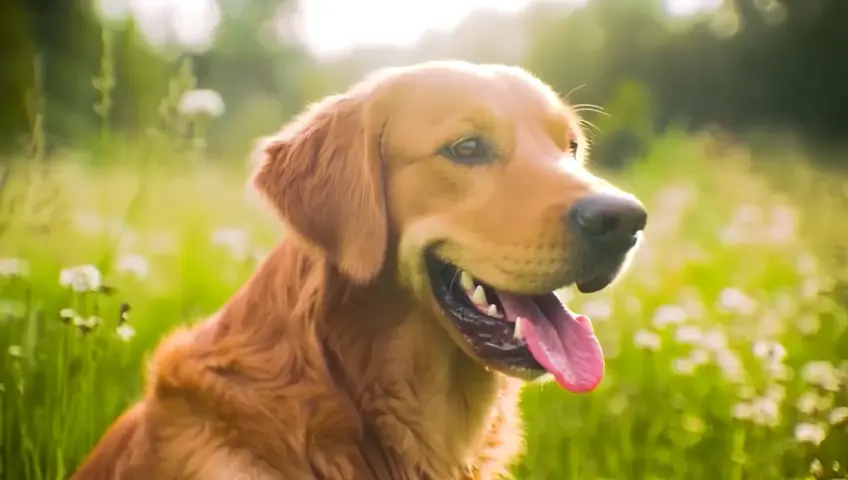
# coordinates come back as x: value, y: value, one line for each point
x: 724, y: 341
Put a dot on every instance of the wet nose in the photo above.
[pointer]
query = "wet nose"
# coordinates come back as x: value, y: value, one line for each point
x: 609, y: 218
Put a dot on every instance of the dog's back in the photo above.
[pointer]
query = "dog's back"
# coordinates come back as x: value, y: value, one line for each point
x: 121, y: 446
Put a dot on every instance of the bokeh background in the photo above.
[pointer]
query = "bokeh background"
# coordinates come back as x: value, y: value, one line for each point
x: 125, y: 129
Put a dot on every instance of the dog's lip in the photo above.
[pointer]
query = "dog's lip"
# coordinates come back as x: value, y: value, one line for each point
x: 596, y: 283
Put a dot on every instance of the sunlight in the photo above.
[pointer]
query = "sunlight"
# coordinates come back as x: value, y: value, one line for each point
x: 332, y: 27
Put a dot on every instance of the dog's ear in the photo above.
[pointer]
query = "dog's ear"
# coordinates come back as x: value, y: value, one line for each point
x: 322, y: 174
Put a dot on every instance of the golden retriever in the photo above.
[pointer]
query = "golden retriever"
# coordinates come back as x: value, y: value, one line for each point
x: 431, y: 212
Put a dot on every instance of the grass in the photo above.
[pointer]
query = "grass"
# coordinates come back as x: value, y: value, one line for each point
x: 725, y: 342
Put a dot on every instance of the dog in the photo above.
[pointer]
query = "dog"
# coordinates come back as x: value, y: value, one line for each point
x: 431, y: 212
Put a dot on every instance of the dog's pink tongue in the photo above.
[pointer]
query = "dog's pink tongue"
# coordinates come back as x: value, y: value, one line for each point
x: 565, y: 345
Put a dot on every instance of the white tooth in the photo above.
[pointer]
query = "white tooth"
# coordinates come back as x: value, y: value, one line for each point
x: 518, y: 334
x: 465, y: 281
x: 479, y: 296
x: 492, y: 311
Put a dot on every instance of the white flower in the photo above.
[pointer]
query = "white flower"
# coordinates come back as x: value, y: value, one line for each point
x: 769, y: 351
x: 714, y: 341
x: 730, y: 365
x: 683, y: 366
x: 808, y: 403
x: 699, y: 356
x: 92, y: 321
x: 784, y: 224
x: 133, y: 264
x: 84, y: 278
x: 67, y: 313
x: 765, y: 411
x: 838, y: 415
x: 807, y: 264
x: 688, y: 334
x: 810, y: 433
x: 125, y: 331
x: 13, y: 267
x: 776, y: 392
x: 735, y: 301
x: 742, y: 411
x: 234, y: 239
x: 201, y: 102
x: 597, y: 310
x: 647, y: 340
x: 668, y: 315
x: 822, y: 374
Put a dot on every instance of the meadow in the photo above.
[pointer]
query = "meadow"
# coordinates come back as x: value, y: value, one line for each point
x: 726, y: 341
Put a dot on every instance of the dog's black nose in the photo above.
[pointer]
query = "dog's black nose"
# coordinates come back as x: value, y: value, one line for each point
x: 609, y: 218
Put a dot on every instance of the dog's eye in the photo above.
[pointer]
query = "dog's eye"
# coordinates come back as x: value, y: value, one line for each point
x: 468, y: 150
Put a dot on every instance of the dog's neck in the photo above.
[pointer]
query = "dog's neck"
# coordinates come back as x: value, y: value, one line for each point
x: 388, y: 369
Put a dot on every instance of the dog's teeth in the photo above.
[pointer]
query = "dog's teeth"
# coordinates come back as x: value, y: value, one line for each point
x: 479, y: 296
x: 465, y: 281
x: 518, y: 334
x: 492, y: 311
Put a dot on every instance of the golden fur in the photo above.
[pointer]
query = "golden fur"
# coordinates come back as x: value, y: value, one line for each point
x: 332, y: 361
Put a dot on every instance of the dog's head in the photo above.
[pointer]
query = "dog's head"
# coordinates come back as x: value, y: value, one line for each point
x: 472, y: 178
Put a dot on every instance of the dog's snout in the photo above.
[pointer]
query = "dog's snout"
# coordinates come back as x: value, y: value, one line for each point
x: 609, y: 218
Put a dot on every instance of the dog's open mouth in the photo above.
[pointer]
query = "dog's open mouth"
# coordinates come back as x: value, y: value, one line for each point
x: 517, y: 333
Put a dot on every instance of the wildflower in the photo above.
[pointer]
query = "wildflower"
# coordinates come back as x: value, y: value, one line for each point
x: 810, y: 433
x: 688, y: 334
x: 84, y: 278
x: 730, y: 365
x: 13, y: 267
x: 125, y: 331
x: 16, y: 351
x: 769, y: 352
x: 234, y: 239
x: 784, y: 224
x: 816, y: 468
x: 647, y: 340
x: 598, y: 309
x: 742, y: 411
x: 807, y: 264
x: 668, y: 315
x: 683, y: 366
x: 699, y: 356
x: 808, y: 403
x: 133, y: 264
x: 776, y: 392
x: 201, y: 102
x: 735, y: 301
x: 822, y: 374
x: 765, y: 411
x: 838, y: 415
x: 714, y: 340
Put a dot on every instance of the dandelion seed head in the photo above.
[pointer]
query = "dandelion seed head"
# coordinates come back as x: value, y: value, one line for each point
x: 84, y: 278
x: 205, y: 102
